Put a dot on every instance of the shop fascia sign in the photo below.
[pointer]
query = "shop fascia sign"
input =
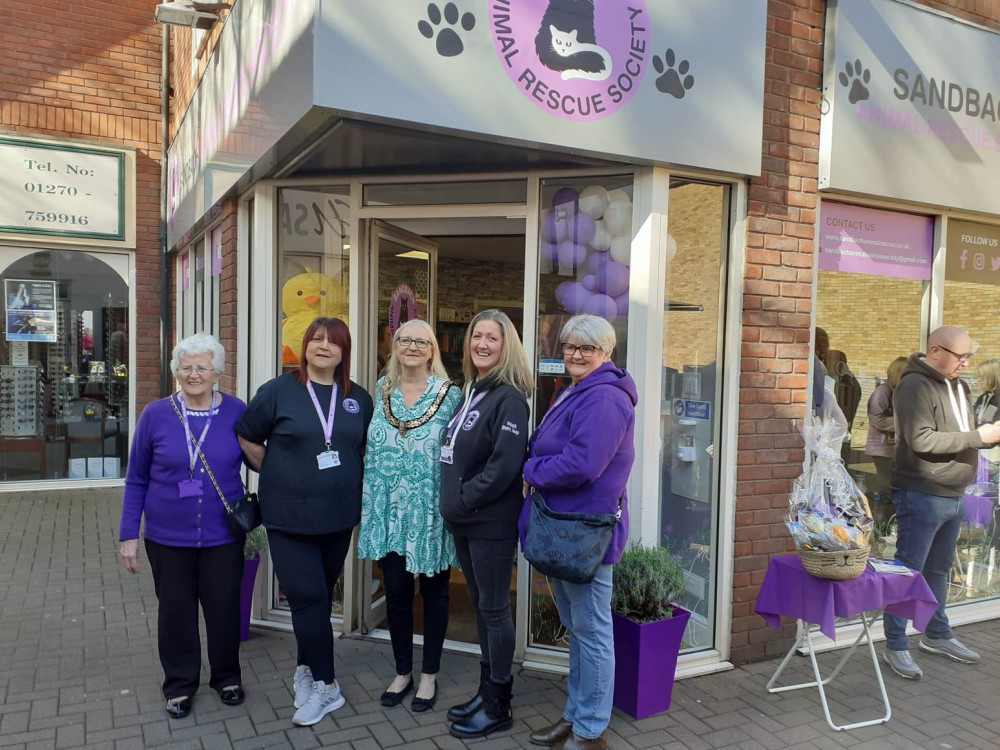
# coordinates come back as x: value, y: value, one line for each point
x: 62, y: 190
x: 207, y: 155
x: 901, y: 119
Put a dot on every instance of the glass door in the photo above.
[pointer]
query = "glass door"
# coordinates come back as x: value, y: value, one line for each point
x: 403, y: 268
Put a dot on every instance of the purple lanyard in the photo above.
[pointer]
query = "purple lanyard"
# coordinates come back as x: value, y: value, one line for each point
x: 194, y: 450
x: 451, y: 434
x: 328, y: 422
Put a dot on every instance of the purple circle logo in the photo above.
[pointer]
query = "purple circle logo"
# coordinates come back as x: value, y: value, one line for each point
x: 577, y: 59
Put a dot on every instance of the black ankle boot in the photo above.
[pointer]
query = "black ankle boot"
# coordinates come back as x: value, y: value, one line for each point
x: 459, y: 712
x: 494, y: 715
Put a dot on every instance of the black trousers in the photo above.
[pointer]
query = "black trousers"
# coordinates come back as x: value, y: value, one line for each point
x: 399, y: 591
x: 307, y: 566
x: 487, y: 565
x: 183, y: 577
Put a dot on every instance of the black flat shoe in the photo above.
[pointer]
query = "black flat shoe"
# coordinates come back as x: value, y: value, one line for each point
x: 394, y: 699
x: 419, y: 705
x: 178, y: 708
x: 232, y: 696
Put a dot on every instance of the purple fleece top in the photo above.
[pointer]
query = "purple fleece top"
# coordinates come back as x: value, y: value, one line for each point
x: 581, y: 454
x: 159, y: 461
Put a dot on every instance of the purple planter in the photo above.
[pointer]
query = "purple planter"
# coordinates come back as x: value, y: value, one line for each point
x: 645, y: 662
x: 246, y: 595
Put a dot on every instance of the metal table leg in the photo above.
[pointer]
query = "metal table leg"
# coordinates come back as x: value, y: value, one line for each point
x: 802, y: 639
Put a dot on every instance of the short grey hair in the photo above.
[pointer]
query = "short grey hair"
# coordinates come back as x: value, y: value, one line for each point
x: 193, y: 346
x: 590, y: 329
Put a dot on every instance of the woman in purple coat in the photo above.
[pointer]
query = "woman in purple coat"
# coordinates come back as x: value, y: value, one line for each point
x: 193, y: 553
x: 579, y: 458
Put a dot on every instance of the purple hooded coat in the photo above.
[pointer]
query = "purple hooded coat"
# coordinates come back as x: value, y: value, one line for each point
x: 580, y: 456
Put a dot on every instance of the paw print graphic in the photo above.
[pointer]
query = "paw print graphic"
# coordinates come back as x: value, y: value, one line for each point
x: 853, y: 75
x: 673, y: 81
x: 449, y: 43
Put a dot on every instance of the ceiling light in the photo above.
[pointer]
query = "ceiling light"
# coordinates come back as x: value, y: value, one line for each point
x: 416, y: 254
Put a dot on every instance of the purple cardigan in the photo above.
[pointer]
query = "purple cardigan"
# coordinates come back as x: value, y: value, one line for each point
x: 581, y: 454
x: 159, y: 460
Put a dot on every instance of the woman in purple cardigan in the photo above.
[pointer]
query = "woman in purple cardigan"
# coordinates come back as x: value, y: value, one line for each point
x: 193, y: 554
x: 579, y: 458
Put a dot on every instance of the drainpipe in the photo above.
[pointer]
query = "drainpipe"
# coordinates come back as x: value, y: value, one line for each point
x: 165, y: 385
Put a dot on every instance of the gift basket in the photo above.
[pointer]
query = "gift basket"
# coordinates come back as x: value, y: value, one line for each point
x: 828, y: 515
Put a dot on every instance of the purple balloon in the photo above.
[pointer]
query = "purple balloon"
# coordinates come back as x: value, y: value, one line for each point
x: 570, y: 254
x: 596, y: 262
x: 549, y: 251
x: 575, y: 298
x: 602, y: 305
x: 612, y: 280
x: 589, y: 282
x: 566, y: 195
x: 621, y: 301
x: 562, y: 290
x: 582, y: 229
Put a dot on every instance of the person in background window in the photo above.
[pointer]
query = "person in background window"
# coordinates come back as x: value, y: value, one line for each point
x: 579, y: 458
x: 305, y: 432
x: 193, y: 553
x: 987, y: 407
x: 481, y: 460
x: 880, y: 442
x: 401, y: 526
x: 384, y: 346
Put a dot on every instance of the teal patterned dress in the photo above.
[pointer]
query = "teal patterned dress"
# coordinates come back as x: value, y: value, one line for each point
x: 399, y: 504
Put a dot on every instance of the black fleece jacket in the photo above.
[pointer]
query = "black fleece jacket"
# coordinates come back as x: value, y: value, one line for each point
x: 481, y: 489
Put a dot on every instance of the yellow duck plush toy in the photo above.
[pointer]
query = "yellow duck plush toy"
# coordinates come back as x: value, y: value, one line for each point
x: 304, y: 298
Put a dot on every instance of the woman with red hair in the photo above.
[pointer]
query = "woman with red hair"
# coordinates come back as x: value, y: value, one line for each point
x: 305, y: 433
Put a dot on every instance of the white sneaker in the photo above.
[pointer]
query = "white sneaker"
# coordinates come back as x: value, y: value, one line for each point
x: 302, y: 683
x: 321, y: 701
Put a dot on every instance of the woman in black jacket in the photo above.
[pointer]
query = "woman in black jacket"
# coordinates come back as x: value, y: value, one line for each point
x: 481, y: 496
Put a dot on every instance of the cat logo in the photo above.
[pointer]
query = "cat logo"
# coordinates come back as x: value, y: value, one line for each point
x: 578, y: 59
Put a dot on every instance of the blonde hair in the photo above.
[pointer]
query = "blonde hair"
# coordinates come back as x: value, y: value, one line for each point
x: 989, y: 374
x: 895, y: 371
x: 394, y: 368
x: 513, y: 366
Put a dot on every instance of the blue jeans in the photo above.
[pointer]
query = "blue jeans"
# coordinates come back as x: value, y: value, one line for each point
x: 585, y: 611
x: 928, y: 527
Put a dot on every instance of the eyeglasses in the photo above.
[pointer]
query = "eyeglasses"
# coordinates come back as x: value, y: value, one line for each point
x: 202, y: 370
x: 956, y: 355
x: 570, y: 350
x: 406, y: 342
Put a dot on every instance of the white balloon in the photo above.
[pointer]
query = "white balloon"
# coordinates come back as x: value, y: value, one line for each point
x: 618, y: 217
x: 593, y: 201
x: 671, y: 249
x: 602, y: 237
x: 621, y: 248
x: 618, y: 195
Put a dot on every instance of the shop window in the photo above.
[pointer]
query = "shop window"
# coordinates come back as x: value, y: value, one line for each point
x: 585, y: 240
x: 439, y: 193
x: 690, y: 393
x: 971, y: 298
x: 874, y: 266
x: 199, y: 271
x: 64, y: 365
x: 314, y: 248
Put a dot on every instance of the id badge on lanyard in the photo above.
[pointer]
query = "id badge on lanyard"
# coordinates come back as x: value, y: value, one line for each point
x: 329, y: 458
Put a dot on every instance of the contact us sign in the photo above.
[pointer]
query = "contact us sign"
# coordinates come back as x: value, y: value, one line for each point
x: 63, y: 190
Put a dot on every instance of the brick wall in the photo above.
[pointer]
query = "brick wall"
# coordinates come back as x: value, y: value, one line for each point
x: 91, y: 71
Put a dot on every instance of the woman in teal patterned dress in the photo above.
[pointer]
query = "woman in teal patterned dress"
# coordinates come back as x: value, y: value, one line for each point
x: 401, y: 526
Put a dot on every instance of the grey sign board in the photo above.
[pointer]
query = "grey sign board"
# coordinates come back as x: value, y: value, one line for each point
x: 912, y: 106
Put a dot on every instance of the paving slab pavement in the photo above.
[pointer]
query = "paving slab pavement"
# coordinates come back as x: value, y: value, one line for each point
x: 78, y: 669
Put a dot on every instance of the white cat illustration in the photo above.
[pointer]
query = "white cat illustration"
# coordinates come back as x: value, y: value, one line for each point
x: 565, y: 44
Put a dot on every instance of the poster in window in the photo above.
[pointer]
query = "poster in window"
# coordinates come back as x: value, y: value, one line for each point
x: 30, y: 307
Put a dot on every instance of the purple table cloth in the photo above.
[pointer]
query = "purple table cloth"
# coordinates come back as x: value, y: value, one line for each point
x: 979, y: 508
x: 790, y: 591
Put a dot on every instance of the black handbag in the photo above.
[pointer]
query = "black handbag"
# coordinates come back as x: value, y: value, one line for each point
x: 244, y: 512
x: 567, y: 546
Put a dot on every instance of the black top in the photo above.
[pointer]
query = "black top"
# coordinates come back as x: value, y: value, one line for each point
x: 295, y: 494
x: 481, y: 490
